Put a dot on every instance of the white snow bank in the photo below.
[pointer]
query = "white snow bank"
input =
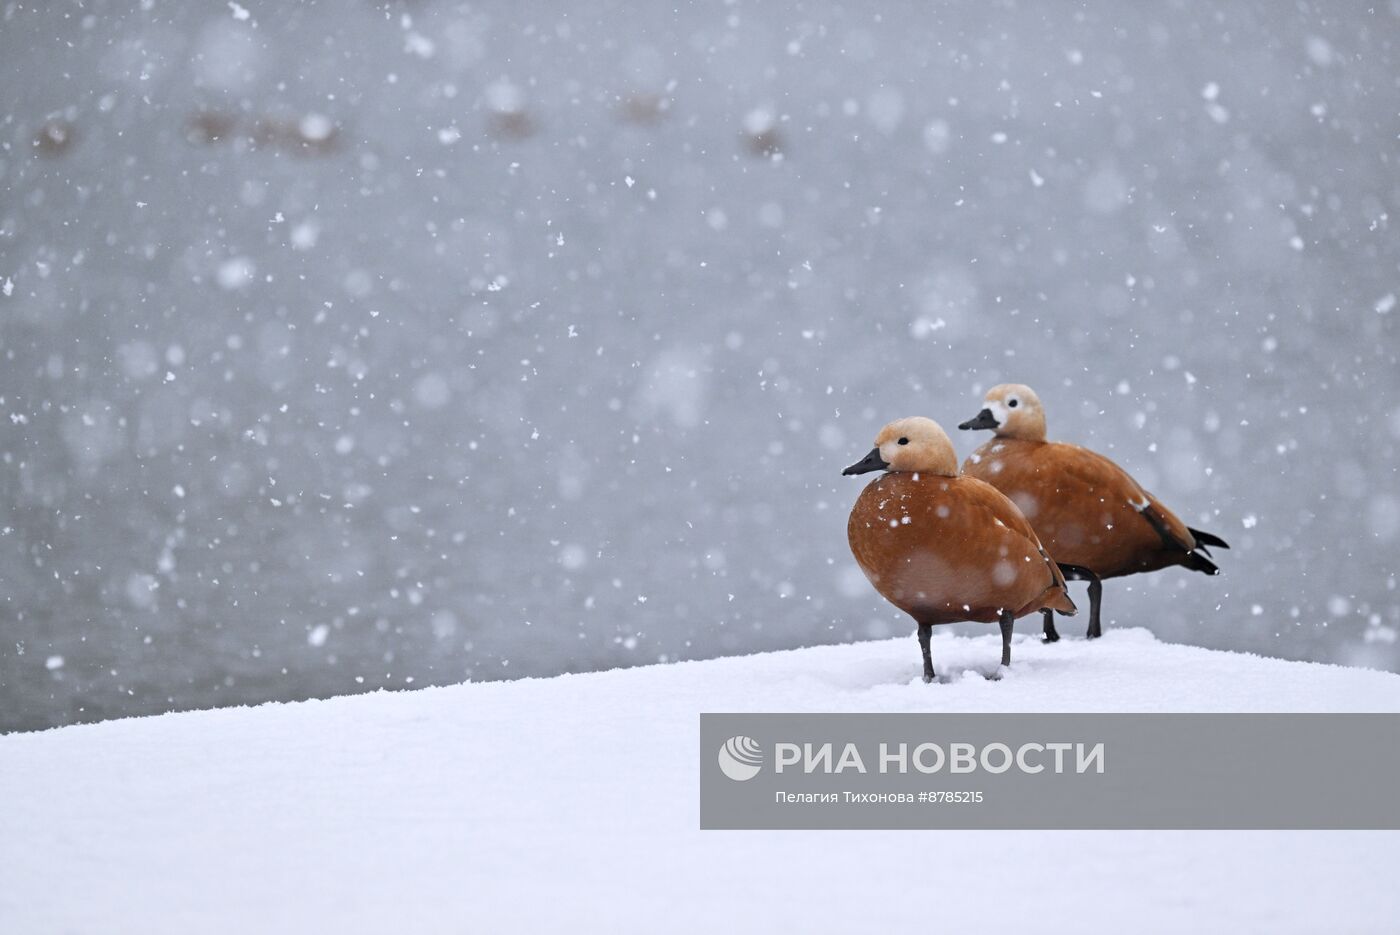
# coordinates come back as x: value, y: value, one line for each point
x: 571, y: 804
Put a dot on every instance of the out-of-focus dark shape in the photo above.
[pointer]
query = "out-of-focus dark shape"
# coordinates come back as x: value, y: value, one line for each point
x: 761, y: 136
x: 211, y: 126
x: 55, y: 137
x: 508, y: 119
x: 312, y: 134
x: 644, y: 109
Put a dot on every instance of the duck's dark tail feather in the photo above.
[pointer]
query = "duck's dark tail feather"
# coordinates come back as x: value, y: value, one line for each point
x: 1075, y: 573
x: 1205, y: 538
x: 1198, y: 562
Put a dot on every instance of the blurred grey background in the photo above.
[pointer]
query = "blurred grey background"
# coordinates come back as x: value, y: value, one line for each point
x: 348, y: 346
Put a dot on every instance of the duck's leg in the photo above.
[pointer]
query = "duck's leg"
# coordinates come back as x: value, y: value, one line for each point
x: 1095, y: 597
x: 1080, y: 573
x: 1008, y: 622
x: 925, y: 633
x: 1051, y: 634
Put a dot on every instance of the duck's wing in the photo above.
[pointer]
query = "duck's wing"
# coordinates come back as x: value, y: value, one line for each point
x: 984, y: 496
x: 1117, y: 486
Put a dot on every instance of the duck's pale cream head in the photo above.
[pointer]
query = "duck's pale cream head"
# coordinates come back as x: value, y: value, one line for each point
x: 911, y: 445
x: 1013, y: 411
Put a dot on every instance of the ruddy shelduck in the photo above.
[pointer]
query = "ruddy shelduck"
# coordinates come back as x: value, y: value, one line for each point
x: 1095, y: 520
x: 944, y: 548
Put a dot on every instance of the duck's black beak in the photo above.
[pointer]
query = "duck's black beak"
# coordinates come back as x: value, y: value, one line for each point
x: 871, y: 462
x: 983, y: 420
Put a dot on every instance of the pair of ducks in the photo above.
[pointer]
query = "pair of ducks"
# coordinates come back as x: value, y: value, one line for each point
x: 945, y: 547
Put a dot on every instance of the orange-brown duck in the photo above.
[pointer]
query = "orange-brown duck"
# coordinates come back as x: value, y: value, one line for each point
x: 944, y: 548
x: 1096, y: 521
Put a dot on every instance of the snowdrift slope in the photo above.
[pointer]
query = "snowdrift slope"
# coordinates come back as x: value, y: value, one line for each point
x: 571, y: 804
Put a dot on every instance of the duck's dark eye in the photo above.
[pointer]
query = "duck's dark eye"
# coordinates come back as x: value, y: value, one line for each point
x: 904, y: 441
x: 1013, y: 403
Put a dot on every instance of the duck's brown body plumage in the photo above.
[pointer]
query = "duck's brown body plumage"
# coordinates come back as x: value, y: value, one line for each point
x: 1087, y: 510
x: 946, y: 549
